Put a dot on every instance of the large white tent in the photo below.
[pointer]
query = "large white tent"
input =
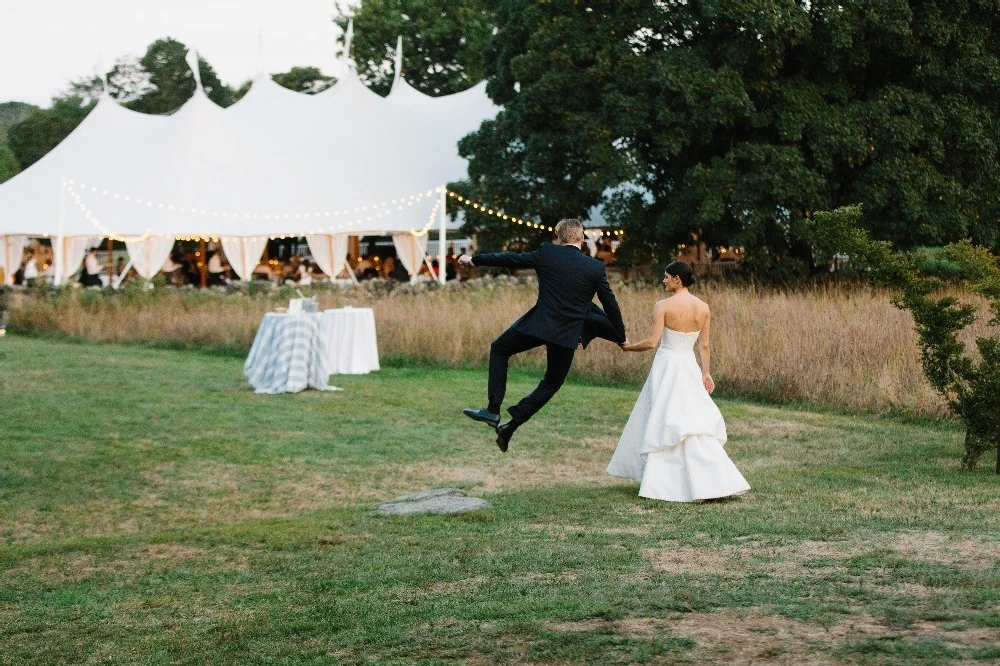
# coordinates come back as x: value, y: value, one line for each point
x: 277, y: 163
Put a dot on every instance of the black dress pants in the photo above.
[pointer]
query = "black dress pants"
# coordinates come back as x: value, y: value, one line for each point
x: 558, y: 361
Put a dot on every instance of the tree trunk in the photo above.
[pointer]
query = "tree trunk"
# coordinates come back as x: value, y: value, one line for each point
x: 972, y: 452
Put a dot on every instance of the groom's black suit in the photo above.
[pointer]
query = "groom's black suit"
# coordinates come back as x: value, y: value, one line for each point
x: 567, y: 282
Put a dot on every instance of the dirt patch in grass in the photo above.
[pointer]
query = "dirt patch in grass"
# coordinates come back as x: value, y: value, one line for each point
x: 752, y: 636
x: 690, y: 560
x: 794, y: 559
x: 964, y: 552
x: 211, y: 494
x: 495, y: 474
x: 75, y: 567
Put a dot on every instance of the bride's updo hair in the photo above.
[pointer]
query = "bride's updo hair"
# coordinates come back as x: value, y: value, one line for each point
x: 682, y: 270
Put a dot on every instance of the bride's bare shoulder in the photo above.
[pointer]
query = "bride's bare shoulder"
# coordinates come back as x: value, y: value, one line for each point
x: 661, y: 305
x: 703, y: 312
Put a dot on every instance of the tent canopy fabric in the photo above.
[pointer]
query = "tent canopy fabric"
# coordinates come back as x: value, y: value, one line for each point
x: 278, y: 162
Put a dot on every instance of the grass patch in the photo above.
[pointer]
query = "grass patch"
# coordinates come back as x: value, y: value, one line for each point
x: 153, y: 510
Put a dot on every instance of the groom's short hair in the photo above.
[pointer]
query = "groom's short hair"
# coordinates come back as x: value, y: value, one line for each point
x: 569, y: 230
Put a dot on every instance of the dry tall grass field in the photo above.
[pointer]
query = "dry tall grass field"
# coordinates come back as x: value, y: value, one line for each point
x: 849, y: 349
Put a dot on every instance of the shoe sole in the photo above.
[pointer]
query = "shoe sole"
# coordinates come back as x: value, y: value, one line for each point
x: 492, y: 424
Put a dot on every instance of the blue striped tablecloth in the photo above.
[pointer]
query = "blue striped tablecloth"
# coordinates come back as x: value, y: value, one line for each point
x: 288, y: 355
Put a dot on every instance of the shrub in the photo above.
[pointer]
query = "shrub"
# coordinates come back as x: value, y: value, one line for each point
x: 969, y: 385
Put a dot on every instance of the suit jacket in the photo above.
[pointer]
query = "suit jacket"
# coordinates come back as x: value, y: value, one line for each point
x: 598, y: 325
x: 567, y: 282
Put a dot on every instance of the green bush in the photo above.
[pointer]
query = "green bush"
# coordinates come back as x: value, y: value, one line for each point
x: 971, y: 387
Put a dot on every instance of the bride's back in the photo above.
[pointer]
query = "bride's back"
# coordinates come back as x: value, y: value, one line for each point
x: 685, y: 313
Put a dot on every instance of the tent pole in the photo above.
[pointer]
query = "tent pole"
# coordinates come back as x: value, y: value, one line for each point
x: 59, y: 250
x: 121, y: 278
x: 329, y: 247
x: 442, y: 249
x: 413, y: 253
x: 203, y: 264
x: 112, y: 276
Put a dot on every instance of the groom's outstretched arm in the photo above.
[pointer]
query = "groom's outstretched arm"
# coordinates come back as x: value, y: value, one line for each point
x: 507, y: 259
x: 610, y: 304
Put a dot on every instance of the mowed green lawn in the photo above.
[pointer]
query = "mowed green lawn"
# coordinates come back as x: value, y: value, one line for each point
x: 153, y: 510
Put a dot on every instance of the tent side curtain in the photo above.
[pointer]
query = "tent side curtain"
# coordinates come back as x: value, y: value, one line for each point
x: 411, y: 250
x: 243, y: 254
x: 329, y: 252
x: 149, y: 254
x: 69, y: 255
x: 11, y: 251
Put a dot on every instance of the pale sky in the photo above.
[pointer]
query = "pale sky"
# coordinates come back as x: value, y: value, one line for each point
x: 46, y: 43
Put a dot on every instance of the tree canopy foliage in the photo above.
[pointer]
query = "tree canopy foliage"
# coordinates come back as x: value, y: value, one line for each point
x: 159, y: 82
x: 9, y: 166
x: 444, y: 42
x: 43, y: 129
x: 11, y: 113
x: 732, y: 121
x: 308, y: 80
x: 172, y: 82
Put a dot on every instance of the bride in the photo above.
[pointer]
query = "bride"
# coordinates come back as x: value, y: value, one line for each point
x: 672, y: 443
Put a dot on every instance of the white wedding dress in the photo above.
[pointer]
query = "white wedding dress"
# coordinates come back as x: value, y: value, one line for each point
x: 673, y: 441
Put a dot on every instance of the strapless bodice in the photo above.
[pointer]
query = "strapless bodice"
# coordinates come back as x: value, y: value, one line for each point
x: 676, y: 341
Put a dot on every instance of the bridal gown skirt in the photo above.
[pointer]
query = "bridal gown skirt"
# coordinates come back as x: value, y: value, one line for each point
x: 673, y: 443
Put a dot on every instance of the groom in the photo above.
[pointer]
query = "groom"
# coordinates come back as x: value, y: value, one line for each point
x: 567, y: 282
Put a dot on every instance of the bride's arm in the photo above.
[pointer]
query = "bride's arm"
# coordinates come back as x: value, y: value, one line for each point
x: 659, y: 310
x: 705, y: 347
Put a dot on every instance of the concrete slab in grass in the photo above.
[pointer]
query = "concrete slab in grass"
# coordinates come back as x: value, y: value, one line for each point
x: 440, y: 500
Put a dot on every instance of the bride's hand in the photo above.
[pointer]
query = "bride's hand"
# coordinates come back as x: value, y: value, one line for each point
x: 708, y: 383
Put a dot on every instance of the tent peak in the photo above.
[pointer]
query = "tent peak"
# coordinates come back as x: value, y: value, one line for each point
x: 103, y: 76
x: 260, y: 53
x: 192, y: 61
x: 348, y: 40
x: 398, y: 61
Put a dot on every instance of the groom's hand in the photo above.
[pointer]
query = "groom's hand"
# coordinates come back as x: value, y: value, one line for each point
x: 465, y: 259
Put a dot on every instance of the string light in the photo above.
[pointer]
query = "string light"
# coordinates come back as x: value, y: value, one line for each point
x: 373, y: 211
x: 489, y: 210
x: 430, y: 221
x: 397, y: 203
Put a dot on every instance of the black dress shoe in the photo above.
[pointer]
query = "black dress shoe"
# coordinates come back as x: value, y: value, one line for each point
x: 504, y: 432
x: 484, y: 415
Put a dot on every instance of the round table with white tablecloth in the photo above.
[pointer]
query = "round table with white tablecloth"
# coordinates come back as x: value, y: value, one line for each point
x: 289, y: 354
x: 351, y: 345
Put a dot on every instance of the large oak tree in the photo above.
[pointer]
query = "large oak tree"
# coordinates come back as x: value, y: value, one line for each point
x: 734, y: 120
